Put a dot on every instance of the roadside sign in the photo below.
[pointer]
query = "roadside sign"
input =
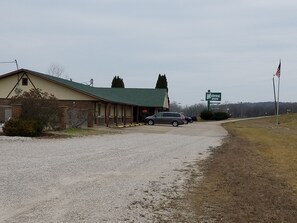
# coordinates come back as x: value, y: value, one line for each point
x: 213, y: 96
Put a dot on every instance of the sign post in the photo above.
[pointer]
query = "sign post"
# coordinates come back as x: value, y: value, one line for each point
x: 212, y: 96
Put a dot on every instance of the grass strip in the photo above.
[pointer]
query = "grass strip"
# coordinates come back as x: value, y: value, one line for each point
x: 252, y: 177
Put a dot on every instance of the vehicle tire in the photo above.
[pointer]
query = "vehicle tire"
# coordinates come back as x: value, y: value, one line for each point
x: 150, y: 122
x: 175, y: 123
x: 186, y: 122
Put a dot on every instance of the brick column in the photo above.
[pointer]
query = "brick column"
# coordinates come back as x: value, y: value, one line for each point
x: 63, y: 117
x: 16, y: 111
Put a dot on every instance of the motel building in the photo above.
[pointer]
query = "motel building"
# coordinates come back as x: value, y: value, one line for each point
x: 95, y: 106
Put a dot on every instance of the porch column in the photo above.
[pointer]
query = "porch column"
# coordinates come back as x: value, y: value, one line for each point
x: 125, y: 114
x: 137, y: 115
x: 116, y: 114
x: 107, y: 113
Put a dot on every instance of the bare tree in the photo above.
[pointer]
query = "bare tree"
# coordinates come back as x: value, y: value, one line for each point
x: 56, y: 70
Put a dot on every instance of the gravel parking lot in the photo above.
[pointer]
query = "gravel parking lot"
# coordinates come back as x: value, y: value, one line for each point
x: 98, y: 178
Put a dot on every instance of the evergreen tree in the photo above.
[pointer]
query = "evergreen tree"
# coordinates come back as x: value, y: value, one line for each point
x: 117, y: 82
x: 162, y: 82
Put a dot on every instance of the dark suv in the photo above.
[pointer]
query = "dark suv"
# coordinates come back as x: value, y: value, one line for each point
x: 173, y: 118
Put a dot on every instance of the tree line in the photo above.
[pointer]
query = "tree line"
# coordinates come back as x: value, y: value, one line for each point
x: 238, y: 110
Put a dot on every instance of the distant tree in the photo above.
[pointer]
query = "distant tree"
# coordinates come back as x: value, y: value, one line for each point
x: 194, y: 110
x: 162, y: 82
x: 56, y: 70
x: 175, y: 107
x: 117, y: 82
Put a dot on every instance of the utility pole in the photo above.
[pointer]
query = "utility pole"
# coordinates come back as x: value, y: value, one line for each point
x: 15, y: 61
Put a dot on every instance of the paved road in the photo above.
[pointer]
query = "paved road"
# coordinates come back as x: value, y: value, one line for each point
x: 97, y: 178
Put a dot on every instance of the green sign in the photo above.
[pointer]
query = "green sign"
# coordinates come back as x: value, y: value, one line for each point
x: 213, y: 96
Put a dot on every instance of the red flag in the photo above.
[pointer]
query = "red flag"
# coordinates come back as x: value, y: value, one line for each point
x: 278, y: 71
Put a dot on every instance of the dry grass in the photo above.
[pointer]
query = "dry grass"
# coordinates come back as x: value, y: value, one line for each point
x: 253, y: 176
x: 276, y: 143
x: 250, y: 178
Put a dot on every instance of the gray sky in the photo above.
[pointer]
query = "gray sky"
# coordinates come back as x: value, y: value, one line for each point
x: 228, y: 46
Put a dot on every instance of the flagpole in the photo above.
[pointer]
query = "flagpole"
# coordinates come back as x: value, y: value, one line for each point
x: 277, y: 110
x: 278, y: 74
x: 275, y: 104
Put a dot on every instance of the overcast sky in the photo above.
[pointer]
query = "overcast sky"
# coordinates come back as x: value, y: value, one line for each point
x: 228, y: 46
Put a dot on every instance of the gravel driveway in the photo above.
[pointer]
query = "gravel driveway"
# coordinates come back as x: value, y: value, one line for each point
x: 98, y: 178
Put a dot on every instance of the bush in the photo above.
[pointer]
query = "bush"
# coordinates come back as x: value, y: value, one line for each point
x: 220, y: 116
x: 209, y: 115
x: 23, y: 127
x: 11, y: 127
x: 39, y: 106
x: 206, y: 115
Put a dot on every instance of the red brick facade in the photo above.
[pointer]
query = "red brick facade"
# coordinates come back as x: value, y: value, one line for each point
x: 88, y: 108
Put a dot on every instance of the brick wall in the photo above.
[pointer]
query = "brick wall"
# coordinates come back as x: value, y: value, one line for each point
x: 88, y: 108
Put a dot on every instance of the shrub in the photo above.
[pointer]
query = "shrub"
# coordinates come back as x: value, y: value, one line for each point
x: 23, y: 127
x: 11, y: 127
x: 39, y: 106
x: 220, y: 116
x: 209, y: 115
x: 39, y: 109
x: 206, y: 115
